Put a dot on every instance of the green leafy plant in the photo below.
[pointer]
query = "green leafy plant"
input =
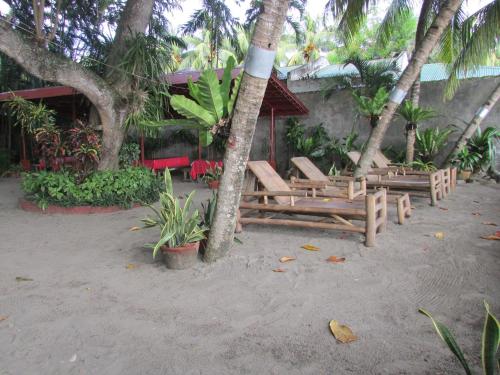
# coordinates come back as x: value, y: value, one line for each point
x: 482, y: 143
x: 211, y: 107
x: 489, y: 343
x: 310, y: 143
x: 178, y: 225
x: 129, y: 154
x: 420, y: 165
x: 430, y: 142
x: 101, y: 188
x: 208, y: 209
x: 414, y: 114
x: 341, y: 148
x: 213, y: 172
x: 467, y: 160
x: 372, y: 107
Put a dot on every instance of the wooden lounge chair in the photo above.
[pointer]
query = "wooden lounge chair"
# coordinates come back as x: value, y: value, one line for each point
x: 437, y: 184
x: 330, y: 213
x: 345, y: 186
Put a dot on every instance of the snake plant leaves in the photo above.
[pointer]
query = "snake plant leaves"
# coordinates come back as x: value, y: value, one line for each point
x: 209, y: 93
x: 490, y: 342
x: 192, y: 110
x: 225, y: 86
x: 445, y: 335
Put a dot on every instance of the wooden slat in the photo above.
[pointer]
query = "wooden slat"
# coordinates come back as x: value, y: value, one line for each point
x: 305, y: 209
x: 301, y: 223
x: 309, y: 170
x: 268, y: 177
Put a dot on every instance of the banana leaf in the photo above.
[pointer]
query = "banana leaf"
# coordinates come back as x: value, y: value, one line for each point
x: 209, y: 93
x: 225, y: 87
x: 192, y: 110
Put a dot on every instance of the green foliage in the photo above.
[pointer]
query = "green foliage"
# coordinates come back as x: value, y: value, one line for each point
x: 397, y: 156
x: 129, y: 153
x: 430, y: 142
x: 414, y: 114
x: 482, y: 143
x: 372, y: 107
x: 85, y: 145
x: 489, y: 342
x: 28, y: 115
x: 210, y: 109
x: 178, y: 225
x: 49, y: 141
x: 420, y: 165
x: 102, y: 188
x: 302, y: 143
x: 341, y: 148
x: 209, y: 211
x: 467, y: 160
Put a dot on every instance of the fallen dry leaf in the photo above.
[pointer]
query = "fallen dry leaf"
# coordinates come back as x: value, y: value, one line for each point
x: 20, y: 278
x: 310, y: 247
x: 134, y: 229
x: 342, y: 333
x: 413, y: 207
x: 131, y: 266
x: 439, y: 235
x: 326, y: 200
x: 476, y: 214
x: 2, y: 317
x: 279, y: 270
x: 287, y: 259
x: 491, y: 237
x: 334, y: 259
x: 489, y: 223
x: 443, y: 208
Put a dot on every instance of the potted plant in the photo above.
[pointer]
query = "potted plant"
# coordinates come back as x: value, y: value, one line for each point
x: 212, y: 175
x: 466, y: 162
x: 180, y: 229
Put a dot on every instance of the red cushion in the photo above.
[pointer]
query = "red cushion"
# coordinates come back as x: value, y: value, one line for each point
x: 179, y: 162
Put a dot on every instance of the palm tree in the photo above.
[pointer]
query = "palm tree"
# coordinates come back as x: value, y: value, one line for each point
x: 314, y: 40
x: 257, y: 7
x: 406, y: 80
x: 199, y: 54
x: 253, y: 86
x: 216, y: 18
x: 413, y: 116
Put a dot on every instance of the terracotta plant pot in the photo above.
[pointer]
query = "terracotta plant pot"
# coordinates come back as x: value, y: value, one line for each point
x: 213, y: 184
x: 464, y: 175
x: 180, y: 258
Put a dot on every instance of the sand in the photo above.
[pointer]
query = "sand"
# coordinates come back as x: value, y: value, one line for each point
x: 85, y: 312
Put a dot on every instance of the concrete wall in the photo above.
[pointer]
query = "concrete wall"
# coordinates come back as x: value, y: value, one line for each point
x: 339, y: 116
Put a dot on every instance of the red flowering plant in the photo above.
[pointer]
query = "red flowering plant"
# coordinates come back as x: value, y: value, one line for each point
x: 213, y: 172
x: 50, y: 147
x: 85, y: 146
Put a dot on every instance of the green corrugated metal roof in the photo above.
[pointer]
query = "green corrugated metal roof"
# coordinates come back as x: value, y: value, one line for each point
x: 430, y: 72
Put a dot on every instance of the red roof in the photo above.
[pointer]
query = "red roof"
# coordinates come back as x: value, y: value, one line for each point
x: 277, y: 96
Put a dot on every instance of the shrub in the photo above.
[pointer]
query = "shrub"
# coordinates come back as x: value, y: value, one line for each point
x: 129, y: 153
x: 102, y: 188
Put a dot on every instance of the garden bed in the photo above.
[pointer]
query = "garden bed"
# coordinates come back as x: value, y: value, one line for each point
x: 29, y: 206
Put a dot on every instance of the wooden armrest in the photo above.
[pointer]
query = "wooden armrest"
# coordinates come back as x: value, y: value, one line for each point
x: 307, y: 184
x: 294, y: 193
x: 346, y: 178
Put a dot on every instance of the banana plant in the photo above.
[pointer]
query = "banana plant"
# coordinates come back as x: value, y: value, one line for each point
x: 210, y: 105
x: 489, y: 343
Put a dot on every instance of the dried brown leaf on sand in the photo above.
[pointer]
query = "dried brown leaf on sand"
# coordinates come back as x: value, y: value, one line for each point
x: 476, y: 214
x: 489, y: 223
x: 342, y: 333
x: 3, y: 317
x: 279, y: 270
x: 310, y: 247
x: 287, y: 259
x: 443, y: 208
x: 131, y: 266
x: 134, y: 229
x: 492, y: 237
x: 439, y: 235
x: 334, y: 259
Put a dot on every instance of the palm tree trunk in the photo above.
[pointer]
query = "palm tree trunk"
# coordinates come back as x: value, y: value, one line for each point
x: 473, y: 125
x: 253, y: 86
x: 415, y: 89
x: 409, y: 75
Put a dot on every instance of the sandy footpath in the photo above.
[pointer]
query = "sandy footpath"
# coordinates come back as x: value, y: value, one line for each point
x: 85, y: 312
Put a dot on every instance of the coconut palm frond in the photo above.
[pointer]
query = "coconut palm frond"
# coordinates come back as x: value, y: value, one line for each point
x: 352, y: 15
x: 399, y: 11
x: 480, y: 35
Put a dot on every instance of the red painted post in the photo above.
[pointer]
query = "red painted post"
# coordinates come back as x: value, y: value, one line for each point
x: 272, y: 141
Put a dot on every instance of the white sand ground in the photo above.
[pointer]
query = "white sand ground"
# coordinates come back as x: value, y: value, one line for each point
x: 86, y: 313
